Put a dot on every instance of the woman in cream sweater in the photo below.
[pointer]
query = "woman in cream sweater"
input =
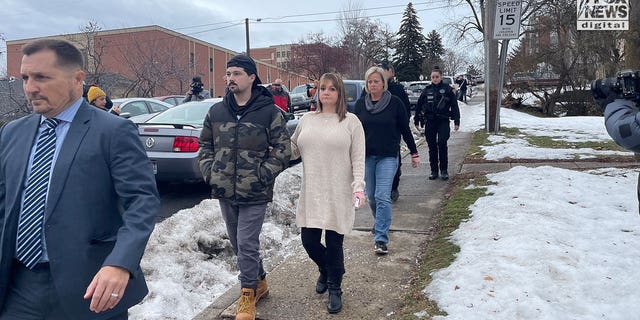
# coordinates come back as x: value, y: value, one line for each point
x: 331, y: 143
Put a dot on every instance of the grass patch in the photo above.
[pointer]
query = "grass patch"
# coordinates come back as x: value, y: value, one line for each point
x: 549, y: 142
x: 474, y: 152
x: 510, y: 131
x: 480, y: 138
x: 440, y: 252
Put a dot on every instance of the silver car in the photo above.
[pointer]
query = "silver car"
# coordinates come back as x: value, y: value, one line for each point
x: 170, y: 139
x: 414, y: 90
x: 131, y: 107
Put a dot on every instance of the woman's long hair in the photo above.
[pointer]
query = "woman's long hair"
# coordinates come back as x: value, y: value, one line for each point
x: 336, y: 81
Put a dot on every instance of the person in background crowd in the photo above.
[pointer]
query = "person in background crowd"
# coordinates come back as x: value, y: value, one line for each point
x: 280, y: 97
x: 78, y: 199
x: 462, y: 88
x: 244, y: 145
x: 435, y: 109
x: 331, y: 143
x: 384, y: 119
x: 312, y: 93
x: 397, y: 90
x: 85, y: 91
x: 98, y: 98
x: 196, y: 91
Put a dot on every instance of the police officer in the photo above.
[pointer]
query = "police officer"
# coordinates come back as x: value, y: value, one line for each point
x: 436, y: 106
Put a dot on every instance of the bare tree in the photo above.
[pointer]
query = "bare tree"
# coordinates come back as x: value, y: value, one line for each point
x: 13, y: 103
x: 632, y: 38
x: 575, y: 56
x: 316, y: 56
x: 365, y: 40
x: 154, y: 64
x: 454, y: 63
x: 92, y: 47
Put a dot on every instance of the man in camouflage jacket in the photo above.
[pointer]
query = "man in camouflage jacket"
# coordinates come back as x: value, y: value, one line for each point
x: 244, y: 145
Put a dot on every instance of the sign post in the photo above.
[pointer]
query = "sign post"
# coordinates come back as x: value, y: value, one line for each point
x: 506, y: 26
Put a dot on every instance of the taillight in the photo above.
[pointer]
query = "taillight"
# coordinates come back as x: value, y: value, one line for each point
x: 185, y: 144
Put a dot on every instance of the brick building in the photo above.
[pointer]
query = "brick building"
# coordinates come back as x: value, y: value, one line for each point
x: 277, y: 55
x: 152, y: 61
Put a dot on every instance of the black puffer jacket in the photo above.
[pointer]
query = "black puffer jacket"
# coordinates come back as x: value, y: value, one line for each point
x: 243, y: 149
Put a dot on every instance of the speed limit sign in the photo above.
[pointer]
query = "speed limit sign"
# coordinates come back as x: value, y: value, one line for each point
x: 507, y: 23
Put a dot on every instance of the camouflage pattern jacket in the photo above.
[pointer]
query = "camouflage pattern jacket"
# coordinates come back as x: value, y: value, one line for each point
x: 242, y: 150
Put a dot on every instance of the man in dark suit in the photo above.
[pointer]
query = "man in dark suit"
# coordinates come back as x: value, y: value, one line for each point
x: 94, y: 205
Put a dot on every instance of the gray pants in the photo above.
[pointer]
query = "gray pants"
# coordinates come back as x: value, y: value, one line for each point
x: 244, y: 223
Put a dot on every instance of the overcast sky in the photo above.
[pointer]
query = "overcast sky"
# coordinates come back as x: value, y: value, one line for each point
x: 215, y: 21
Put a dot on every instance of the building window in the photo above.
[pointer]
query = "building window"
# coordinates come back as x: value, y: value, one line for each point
x: 211, y: 64
x: 192, y: 60
x: 278, y: 54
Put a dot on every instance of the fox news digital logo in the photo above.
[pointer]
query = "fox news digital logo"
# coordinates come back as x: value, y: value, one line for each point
x: 603, y: 14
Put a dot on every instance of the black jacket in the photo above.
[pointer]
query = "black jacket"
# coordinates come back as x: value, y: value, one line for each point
x: 382, y: 130
x: 437, y: 102
x: 398, y: 90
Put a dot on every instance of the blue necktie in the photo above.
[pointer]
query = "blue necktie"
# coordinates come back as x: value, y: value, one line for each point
x: 29, y: 247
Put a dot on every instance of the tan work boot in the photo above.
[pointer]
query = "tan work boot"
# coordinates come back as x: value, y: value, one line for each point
x: 263, y: 289
x: 246, y: 305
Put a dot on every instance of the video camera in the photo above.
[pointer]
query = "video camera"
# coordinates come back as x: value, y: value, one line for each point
x: 196, y: 85
x: 626, y: 85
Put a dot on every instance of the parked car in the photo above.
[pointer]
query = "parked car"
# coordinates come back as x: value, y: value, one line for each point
x: 450, y: 81
x: 174, y: 99
x: 414, y: 90
x: 301, y: 92
x: 130, y: 107
x: 171, y: 137
x: 353, y: 90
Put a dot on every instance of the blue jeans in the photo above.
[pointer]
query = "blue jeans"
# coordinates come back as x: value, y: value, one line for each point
x: 378, y: 176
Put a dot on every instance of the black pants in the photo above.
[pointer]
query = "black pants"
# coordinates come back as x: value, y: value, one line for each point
x: 329, y: 259
x: 437, y: 133
x: 396, y: 178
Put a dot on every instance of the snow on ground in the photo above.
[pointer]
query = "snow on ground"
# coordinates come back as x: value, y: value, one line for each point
x: 546, y: 243
x: 570, y: 129
x: 182, y: 279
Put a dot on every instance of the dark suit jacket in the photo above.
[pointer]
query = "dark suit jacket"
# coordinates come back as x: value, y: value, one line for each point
x: 101, y: 208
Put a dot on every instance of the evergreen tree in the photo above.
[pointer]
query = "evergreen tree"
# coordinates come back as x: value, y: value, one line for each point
x: 410, y: 48
x: 434, y: 52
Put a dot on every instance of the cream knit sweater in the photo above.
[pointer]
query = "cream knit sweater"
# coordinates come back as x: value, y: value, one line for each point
x: 333, y: 169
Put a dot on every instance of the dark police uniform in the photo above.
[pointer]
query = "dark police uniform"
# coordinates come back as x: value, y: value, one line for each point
x: 436, y: 106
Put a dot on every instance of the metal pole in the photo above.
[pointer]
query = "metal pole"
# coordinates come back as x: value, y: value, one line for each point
x: 246, y: 28
x: 503, y: 63
x: 489, y: 16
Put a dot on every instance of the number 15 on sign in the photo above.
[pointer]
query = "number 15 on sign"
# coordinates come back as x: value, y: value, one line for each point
x: 507, y: 23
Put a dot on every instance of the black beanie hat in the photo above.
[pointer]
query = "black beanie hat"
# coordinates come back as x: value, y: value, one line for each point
x: 247, y: 64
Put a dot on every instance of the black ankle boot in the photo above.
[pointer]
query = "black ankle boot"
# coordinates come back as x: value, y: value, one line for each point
x: 444, y: 175
x: 335, y: 301
x: 321, y: 284
x: 433, y: 175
